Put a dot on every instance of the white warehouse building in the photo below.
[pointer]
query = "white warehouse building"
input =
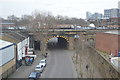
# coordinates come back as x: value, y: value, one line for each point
x: 7, y: 58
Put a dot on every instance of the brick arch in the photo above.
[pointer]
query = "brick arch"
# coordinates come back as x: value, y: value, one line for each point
x: 90, y: 38
x: 66, y: 38
x: 91, y: 41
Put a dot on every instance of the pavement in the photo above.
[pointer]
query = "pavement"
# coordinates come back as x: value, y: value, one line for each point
x: 59, y: 65
x: 24, y: 71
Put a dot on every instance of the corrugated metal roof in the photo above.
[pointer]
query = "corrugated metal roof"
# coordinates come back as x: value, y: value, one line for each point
x: 5, y: 44
x: 9, y: 39
x: 13, y: 37
x: 10, y: 36
x: 16, y: 36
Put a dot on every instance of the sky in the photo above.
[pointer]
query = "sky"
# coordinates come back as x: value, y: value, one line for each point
x: 71, y: 8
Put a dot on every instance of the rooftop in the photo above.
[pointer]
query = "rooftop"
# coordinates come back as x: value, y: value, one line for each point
x: 6, y: 23
x: 4, y: 44
x: 117, y: 32
x: 14, y: 37
x: 92, y: 25
x: 115, y: 61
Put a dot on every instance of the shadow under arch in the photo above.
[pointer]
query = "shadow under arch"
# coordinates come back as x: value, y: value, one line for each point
x: 62, y: 43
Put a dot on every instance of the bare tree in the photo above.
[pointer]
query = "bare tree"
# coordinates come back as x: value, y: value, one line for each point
x: 13, y: 19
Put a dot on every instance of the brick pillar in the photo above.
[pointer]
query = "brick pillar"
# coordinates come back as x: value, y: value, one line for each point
x: 71, y: 43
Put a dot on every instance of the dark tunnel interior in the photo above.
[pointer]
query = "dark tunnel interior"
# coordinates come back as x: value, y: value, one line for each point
x: 61, y: 44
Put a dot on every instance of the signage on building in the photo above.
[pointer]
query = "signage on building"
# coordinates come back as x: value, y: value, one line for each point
x: 76, y: 36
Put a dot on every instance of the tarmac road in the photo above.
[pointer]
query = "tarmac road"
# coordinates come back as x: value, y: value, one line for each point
x: 59, y: 65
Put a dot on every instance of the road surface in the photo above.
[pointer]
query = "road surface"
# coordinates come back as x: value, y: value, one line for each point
x: 24, y: 71
x: 59, y: 65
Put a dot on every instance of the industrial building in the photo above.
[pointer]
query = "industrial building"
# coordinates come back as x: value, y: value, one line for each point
x: 7, y: 58
x: 108, y: 42
x: 24, y: 43
x: 95, y: 16
x: 119, y: 4
x: 111, y: 13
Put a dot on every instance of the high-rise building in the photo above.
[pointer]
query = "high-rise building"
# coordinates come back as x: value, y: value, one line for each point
x: 110, y: 13
x: 119, y: 4
x: 115, y: 12
x: 94, y: 16
x: 107, y: 13
x: 88, y: 15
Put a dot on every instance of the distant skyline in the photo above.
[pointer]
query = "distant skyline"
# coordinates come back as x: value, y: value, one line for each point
x: 71, y: 8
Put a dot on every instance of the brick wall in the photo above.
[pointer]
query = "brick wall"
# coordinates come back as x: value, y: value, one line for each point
x: 7, y: 69
x: 108, y: 43
x: 105, y: 68
x: 98, y: 67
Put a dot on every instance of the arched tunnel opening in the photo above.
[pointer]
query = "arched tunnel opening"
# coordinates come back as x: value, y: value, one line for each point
x: 57, y: 43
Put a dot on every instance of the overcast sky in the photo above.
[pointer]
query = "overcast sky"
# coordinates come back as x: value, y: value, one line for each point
x: 72, y: 8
